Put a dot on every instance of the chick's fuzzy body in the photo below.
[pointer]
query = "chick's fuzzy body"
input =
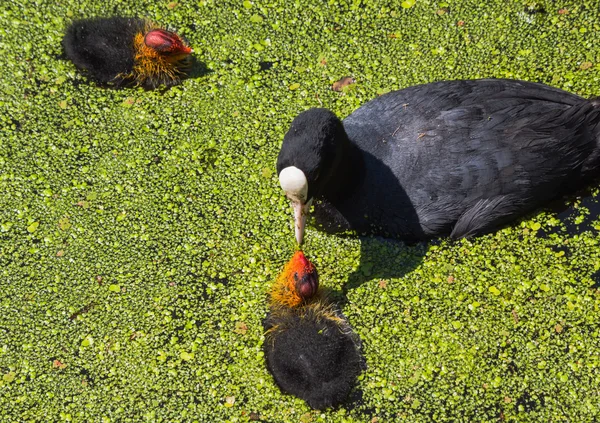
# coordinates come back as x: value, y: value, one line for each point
x: 312, y: 352
x: 310, y: 349
x: 112, y: 51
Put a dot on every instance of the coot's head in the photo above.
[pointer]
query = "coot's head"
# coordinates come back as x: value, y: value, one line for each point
x: 167, y: 44
x: 309, y: 156
x: 296, y: 284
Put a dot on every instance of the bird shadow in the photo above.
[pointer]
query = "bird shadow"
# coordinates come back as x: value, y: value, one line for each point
x: 382, y: 205
x: 578, y: 212
x: 198, y: 69
x: 384, y: 258
x: 381, y: 259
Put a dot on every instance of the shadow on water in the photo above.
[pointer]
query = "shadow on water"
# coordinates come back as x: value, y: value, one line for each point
x: 198, y: 68
x: 393, y: 250
x: 382, y: 258
x: 576, y: 216
x: 596, y: 279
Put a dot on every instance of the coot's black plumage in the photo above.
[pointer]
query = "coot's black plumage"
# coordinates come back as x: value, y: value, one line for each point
x: 453, y: 157
x: 126, y: 51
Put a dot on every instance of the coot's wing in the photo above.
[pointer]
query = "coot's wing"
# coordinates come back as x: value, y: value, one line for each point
x: 489, y: 150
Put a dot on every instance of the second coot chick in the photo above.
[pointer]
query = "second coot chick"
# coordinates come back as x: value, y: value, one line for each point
x: 457, y: 158
x: 310, y: 348
x: 122, y: 51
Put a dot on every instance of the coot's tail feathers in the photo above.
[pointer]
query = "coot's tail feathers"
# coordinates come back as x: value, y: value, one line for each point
x: 595, y: 101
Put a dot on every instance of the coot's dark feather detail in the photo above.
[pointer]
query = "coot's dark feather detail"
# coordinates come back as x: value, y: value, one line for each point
x: 453, y: 157
x: 310, y: 349
x: 116, y: 51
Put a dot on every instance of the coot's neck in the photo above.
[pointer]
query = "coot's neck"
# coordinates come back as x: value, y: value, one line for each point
x: 346, y: 173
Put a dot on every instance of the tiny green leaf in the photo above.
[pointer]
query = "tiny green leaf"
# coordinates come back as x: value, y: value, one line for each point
x: 9, y: 377
x: 494, y: 290
x: 64, y: 223
x: 33, y: 227
x: 186, y: 356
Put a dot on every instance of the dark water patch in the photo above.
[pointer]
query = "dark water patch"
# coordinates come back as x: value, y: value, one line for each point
x: 15, y: 123
x: 265, y: 65
x: 558, y: 248
x: 87, y: 377
x: 534, y: 9
x: 530, y: 402
x: 596, y: 278
x: 579, y: 219
x: 576, y: 216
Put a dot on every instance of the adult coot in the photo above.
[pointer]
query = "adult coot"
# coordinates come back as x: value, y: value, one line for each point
x: 127, y: 51
x: 453, y: 157
x: 310, y: 348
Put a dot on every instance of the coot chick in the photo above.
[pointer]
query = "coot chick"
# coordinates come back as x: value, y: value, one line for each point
x: 127, y: 51
x: 310, y: 348
x: 453, y: 157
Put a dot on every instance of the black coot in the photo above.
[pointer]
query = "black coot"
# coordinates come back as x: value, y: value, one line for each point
x: 455, y: 157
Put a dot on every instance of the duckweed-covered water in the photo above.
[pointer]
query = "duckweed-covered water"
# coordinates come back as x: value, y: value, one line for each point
x: 140, y: 230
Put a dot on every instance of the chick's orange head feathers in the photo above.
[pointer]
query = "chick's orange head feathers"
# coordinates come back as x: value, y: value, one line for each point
x: 166, y: 42
x: 297, y: 283
x: 304, y: 274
